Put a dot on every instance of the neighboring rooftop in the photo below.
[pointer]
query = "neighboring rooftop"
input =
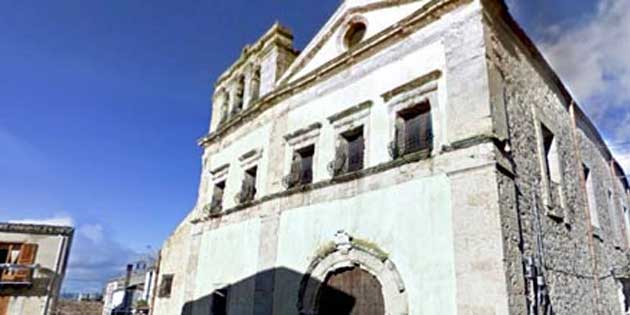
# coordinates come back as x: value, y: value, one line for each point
x: 36, y: 229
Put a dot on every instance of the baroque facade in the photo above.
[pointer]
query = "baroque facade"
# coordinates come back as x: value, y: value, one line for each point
x: 418, y: 157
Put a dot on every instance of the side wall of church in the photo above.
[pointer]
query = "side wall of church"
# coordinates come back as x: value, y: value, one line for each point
x: 577, y: 259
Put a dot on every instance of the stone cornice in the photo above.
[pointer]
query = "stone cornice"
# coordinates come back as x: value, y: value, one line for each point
x: 36, y: 229
x: 427, y: 14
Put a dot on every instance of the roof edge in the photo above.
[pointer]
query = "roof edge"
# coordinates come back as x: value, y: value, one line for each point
x: 36, y: 229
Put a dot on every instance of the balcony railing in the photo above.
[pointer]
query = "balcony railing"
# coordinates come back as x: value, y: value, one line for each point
x: 247, y: 194
x: 14, y: 274
x: 337, y: 166
x: 297, y: 177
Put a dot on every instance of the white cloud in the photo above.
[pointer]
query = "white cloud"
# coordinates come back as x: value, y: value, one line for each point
x: 594, y: 57
x: 93, y: 232
x: 95, y: 258
x: 60, y: 221
x: 623, y: 157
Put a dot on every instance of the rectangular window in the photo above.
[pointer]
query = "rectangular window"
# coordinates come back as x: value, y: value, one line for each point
x: 590, y: 196
x: 414, y: 129
x: 248, y: 189
x: 301, y: 167
x: 166, y: 286
x: 217, y: 197
x: 349, y: 154
x: 552, y: 167
x: 626, y: 218
x: 355, y: 146
x: 614, y: 222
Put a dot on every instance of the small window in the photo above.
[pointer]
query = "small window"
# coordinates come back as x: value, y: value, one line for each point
x: 217, y: 197
x: 248, y: 189
x: 355, y: 34
x: 166, y: 286
x: 626, y: 218
x: 590, y: 195
x: 301, y: 167
x: 220, y: 302
x: 614, y: 222
x: 349, y: 154
x: 414, y: 130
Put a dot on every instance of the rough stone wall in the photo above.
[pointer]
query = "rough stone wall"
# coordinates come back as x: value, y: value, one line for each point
x: 579, y: 281
x: 78, y: 308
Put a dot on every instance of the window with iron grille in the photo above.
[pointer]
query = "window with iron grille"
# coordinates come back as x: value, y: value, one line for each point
x: 217, y: 197
x: 248, y: 189
x: 301, y: 168
x: 552, y: 167
x: 350, y: 153
x: 414, y: 130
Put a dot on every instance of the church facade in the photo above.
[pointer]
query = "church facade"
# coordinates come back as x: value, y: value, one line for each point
x: 418, y: 157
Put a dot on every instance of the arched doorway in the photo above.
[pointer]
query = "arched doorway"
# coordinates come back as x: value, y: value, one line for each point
x: 351, y: 291
x: 352, y: 277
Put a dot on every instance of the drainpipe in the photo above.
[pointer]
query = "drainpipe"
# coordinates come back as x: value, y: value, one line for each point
x: 589, y: 226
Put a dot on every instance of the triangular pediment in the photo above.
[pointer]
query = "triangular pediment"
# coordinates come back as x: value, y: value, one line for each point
x: 329, y: 43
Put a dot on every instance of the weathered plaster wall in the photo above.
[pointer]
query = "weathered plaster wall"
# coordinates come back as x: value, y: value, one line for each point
x: 414, y: 228
x: 228, y: 255
x: 174, y: 258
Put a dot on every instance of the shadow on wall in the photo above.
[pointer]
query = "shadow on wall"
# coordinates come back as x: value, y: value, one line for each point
x: 236, y: 298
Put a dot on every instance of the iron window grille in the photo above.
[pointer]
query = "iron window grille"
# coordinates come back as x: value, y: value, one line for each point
x: 16, y: 274
x: 414, y: 131
x: 216, y: 205
x: 248, y: 189
x: 301, y: 168
x: 349, y: 155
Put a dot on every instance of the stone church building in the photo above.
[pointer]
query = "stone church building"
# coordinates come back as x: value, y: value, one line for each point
x: 417, y: 157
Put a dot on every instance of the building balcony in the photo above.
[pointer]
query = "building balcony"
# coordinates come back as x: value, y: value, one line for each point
x: 16, y: 275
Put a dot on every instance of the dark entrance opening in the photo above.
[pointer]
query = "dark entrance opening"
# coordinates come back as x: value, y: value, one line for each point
x: 357, y: 283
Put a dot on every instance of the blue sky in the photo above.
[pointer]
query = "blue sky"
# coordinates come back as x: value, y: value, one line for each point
x: 101, y: 103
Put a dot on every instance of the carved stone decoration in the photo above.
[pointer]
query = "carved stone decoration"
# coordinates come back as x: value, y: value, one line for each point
x: 350, y: 252
x: 343, y: 242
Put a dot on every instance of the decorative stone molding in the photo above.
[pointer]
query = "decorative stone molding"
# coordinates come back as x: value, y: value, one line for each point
x: 301, y: 136
x: 346, y: 252
x: 220, y: 172
x: 353, y: 113
x: 250, y: 158
x: 420, y: 90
